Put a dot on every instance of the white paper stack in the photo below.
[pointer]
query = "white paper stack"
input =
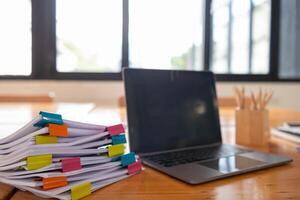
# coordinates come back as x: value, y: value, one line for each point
x: 54, y: 157
x: 288, y: 132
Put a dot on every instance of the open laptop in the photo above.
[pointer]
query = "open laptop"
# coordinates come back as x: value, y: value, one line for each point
x: 173, y: 124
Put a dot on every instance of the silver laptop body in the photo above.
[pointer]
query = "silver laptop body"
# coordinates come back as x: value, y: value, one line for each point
x: 173, y: 125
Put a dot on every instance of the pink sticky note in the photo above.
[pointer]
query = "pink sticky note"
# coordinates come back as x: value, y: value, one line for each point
x: 71, y: 164
x: 116, y: 129
x: 135, y: 167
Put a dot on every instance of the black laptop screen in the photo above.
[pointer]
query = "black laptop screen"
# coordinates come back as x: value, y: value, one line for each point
x: 170, y: 109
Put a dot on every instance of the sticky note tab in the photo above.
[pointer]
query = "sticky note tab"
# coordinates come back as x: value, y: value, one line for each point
x: 54, y: 182
x: 45, y: 139
x: 71, y: 164
x: 127, y: 159
x: 116, y: 129
x: 118, y: 139
x: 39, y: 161
x: 116, y: 150
x: 58, y: 130
x: 80, y: 191
x: 47, y: 118
x: 135, y: 167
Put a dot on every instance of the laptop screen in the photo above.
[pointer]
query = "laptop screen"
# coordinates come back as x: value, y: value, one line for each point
x: 168, y: 110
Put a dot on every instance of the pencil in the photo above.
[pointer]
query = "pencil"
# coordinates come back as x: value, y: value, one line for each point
x: 253, y: 101
x: 269, y: 97
x: 259, y: 99
x: 238, y: 96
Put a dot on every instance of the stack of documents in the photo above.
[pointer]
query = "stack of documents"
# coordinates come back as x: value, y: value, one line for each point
x: 54, y: 157
x: 288, y: 131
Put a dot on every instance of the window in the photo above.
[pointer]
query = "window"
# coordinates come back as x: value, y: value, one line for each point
x: 165, y: 36
x: 89, y: 35
x: 261, y: 21
x: 289, y: 40
x: 239, y: 40
x: 240, y: 36
x: 15, y: 40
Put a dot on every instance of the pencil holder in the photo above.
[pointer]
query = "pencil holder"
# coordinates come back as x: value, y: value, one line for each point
x: 252, y: 127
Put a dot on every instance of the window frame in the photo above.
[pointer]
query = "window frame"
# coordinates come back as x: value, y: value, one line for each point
x: 44, y: 48
x: 273, y: 54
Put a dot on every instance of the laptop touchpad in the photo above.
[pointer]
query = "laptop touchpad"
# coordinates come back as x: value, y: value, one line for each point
x: 231, y: 163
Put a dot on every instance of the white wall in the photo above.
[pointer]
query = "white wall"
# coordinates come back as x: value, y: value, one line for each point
x: 286, y: 95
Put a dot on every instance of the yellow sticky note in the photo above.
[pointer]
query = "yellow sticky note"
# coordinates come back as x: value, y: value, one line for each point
x: 39, y: 161
x: 116, y: 150
x: 45, y: 139
x: 80, y: 191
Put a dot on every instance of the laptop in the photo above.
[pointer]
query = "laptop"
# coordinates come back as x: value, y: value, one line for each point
x: 173, y: 124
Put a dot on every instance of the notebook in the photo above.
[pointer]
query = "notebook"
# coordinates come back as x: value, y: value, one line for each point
x: 288, y: 131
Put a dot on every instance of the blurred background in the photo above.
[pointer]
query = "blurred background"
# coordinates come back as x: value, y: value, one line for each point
x: 77, y: 48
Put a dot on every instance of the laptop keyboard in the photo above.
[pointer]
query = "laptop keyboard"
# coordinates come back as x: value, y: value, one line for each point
x: 187, y: 156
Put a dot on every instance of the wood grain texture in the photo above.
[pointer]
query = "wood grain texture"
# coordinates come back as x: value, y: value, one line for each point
x: 26, y: 196
x: 27, y: 98
x: 5, y: 191
x: 281, y: 182
x: 252, y: 127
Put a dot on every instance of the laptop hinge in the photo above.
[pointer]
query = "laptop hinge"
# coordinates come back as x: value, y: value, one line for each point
x: 180, y: 149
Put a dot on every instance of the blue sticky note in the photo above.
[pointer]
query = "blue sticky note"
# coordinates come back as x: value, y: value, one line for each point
x: 127, y: 159
x: 49, y: 118
x: 118, y: 139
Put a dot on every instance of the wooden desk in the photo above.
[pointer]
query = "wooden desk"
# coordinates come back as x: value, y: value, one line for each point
x: 275, y: 183
x: 6, y: 191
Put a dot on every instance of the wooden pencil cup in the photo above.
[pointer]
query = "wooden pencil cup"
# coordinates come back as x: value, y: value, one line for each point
x: 252, y: 127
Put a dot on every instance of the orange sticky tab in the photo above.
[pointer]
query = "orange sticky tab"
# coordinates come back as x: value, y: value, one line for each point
x: 58, y: 130
x: 54, y: 182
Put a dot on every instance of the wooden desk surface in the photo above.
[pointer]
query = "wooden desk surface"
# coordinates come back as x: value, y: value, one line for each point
x: 274, y: 183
